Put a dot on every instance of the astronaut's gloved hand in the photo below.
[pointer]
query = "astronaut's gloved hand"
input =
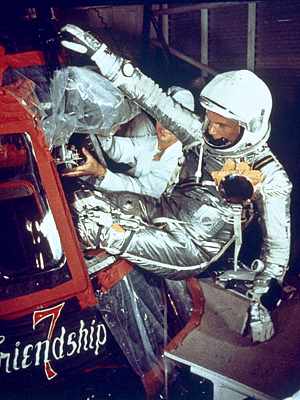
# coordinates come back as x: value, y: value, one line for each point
x: 261, y: 324
x: 267, y: 286
x: 104, y: 219
x: 113, y: 239
x: 74, y: 38
x: 98, y: 229
x: 261, y: 285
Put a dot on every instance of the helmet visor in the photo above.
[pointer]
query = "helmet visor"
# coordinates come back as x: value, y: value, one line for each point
x: 220, y: 143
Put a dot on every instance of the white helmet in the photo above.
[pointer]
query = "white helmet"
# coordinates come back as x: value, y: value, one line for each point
x: 243, y: 97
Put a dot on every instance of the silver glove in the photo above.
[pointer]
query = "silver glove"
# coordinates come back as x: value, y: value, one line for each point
x: 85, y: 43
x: 260, y: 286
x: 267, y: 286
x: 261, y: 324
x: 80, y: 41
x: 114, y: 239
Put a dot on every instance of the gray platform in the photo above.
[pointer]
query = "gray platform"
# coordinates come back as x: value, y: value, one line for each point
x: 271, y: 368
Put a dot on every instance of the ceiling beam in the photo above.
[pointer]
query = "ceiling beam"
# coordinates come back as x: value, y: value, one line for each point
x: 187, y: 59
x: 197, y: 7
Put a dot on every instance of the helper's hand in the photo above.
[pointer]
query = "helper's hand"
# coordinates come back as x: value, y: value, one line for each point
x: 261, y: 324
x: 91, y: 167
x: 76, y: 39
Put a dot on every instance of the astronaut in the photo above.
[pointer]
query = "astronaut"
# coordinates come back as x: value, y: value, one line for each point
x: 182, y: 235
x: 154, y: 161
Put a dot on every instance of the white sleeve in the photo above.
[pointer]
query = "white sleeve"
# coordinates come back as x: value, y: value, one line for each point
x: 127, y: 150
x: 119, y: 149
x: 152, y: 183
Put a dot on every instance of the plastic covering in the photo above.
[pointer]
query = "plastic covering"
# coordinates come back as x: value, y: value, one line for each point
x: 31, y: 94
x: 37, y: 74
x: 84, y: 102
x: 135, y: 311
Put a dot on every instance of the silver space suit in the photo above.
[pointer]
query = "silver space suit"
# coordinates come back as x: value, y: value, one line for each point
x: 181, y: 235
